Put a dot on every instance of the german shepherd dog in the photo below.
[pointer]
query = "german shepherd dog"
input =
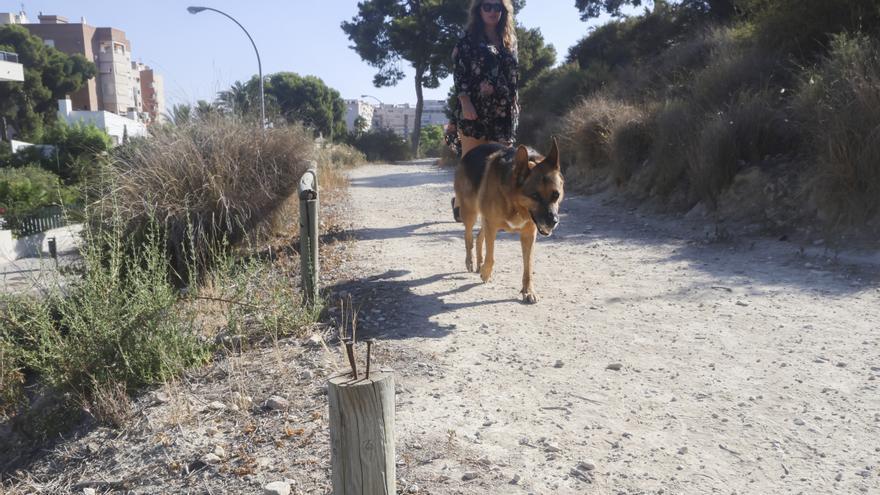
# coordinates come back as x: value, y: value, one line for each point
x: 511, y: 189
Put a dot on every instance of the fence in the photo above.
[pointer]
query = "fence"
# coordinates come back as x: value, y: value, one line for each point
x: 50, y: 217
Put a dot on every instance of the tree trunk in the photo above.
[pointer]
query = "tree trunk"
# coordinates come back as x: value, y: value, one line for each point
x: 420, y: 103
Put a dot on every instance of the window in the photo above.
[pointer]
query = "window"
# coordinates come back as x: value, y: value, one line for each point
x: 49, y: 43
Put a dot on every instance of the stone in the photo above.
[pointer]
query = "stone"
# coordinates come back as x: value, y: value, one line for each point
x: 277, y: 403
x: 586, y: 466
x: 211, y: 458
x: 469, y: 475
x: 614, y: 367
x: 516, y: 479
x: 89, y: 491
x: 558, y: 364
x: 216, y: 406
x: 277, y: 488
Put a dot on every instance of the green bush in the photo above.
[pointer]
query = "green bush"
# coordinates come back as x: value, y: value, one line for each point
x: 118, y: 323
x: 805, y: 28
x: 383, y: 145
x: 432, y: 141
x: 25, y: 189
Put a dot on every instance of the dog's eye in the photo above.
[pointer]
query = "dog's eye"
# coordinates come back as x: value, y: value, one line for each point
x: 536, y: 197
x: 554, y: 196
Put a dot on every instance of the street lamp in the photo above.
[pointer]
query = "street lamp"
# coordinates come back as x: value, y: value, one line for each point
x: 196, y: 10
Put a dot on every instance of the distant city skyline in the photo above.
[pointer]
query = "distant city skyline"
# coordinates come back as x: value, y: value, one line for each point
x: 200, y: 55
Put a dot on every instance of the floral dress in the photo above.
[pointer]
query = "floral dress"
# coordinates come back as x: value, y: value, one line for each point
x: 488, y: 74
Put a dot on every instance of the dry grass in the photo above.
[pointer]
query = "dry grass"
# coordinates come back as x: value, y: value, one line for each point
x: 596, y: 132
x: 840, y: 106
x: 207, y: 183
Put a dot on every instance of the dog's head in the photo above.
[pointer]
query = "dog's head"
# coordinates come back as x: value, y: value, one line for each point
x: 540, y: 186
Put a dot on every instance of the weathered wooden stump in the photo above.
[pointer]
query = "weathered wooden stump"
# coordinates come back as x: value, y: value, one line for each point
x: 362, y: 434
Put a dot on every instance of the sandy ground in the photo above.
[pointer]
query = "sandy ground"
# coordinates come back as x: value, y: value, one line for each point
x: 746, y: 366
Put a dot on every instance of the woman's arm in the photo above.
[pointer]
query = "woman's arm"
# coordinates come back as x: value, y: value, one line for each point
x: 463, y: 79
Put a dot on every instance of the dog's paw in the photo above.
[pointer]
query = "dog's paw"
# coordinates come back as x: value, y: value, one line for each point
x: 469, y: 264
x: 529, y: 297
x: 486, y: 273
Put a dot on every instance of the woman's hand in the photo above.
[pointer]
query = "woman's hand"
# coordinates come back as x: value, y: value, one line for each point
x: 468, y: 112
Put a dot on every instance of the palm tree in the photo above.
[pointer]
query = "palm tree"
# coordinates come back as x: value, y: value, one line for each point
x: 180, y: 114
x: 235, y: 100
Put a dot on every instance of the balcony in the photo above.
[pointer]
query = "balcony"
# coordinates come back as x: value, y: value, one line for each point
x: 10, y: 69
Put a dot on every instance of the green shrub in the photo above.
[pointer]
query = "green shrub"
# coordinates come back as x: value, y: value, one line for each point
x: 25, y: 189
x: 805, y: 28
x: 432, y: 141
x: 118, y: 323
x: 839, y: 105
x: 383, y: 145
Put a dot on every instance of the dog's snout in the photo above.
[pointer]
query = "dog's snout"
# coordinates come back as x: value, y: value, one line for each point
x: 554, y: 219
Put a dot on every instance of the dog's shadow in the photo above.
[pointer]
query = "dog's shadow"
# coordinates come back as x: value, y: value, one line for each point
x: 390, y: 307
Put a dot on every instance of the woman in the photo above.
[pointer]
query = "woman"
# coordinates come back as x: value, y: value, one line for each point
x: 486, y: 74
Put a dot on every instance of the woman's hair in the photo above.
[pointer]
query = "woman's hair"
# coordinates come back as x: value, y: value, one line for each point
x: 506, y: 26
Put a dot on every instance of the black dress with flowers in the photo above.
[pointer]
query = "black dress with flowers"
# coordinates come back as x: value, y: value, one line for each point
x: 488, y: 74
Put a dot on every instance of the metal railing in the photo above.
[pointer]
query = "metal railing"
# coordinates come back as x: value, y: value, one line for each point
x: 9, y: 56
x: 308, y: 232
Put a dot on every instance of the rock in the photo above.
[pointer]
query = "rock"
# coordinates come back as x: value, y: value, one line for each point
x: 799, y: 422
x: 276, y: 403
x: 306, y: 375
x: 161, y: 397
x: 552, y: 448
x: 614, y: 367
x: 515, y: 480
x: 277, y: 488
x: 219, y: 451
x: 743, y: 304
x: 413, y: 489
x: 211, y: 458
x: 841, y: 365
x: 216, y: 406
x: 586, y: 466
x: 558, y: 364
x: 838, y: 477
x: 89, y: 491
x: 211, y: 431
x: 469, y: 475
x: 864, y: 473
x: 314, y: 340
x: 682, y: 451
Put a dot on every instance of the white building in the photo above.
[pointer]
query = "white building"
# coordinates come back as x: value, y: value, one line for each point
x: 355, y: 109
x: 116, y: 126
x: 10, y: 69
x: 434, y: 113
x: 399, y: 118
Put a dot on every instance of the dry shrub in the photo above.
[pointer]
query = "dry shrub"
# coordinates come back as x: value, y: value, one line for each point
x: 751, y: 131
x: 109, y: 403
x: 213, y: 181
x: 340, y: 156
x: 840, y: 106
x: 590, y: 132
x: 673, y: 126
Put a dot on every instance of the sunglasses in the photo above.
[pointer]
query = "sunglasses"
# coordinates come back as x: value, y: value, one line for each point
x: 489, y: 7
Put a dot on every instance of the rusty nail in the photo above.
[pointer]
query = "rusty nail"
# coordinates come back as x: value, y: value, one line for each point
x: 370, y: 343
x: 349, y: 349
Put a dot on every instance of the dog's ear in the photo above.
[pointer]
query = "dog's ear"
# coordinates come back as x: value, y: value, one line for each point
x: 552, y: 157
x: 521, y: 167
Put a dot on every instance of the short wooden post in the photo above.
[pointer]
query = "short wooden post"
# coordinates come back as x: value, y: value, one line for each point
x: 309, y: 232
x: 362, y: 434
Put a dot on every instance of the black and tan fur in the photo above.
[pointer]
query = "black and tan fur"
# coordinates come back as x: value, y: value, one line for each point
x: 510, y: 189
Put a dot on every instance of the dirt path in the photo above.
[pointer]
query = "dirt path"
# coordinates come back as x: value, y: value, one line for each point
x: 745, y: 367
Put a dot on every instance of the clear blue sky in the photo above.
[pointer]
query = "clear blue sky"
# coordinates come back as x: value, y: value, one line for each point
x: 201, y: 54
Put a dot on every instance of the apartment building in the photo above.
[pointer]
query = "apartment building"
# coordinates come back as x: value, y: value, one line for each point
x: 355, y: 109
x: 398, y: 117
x: 434, y: 113
x: 119, y: 85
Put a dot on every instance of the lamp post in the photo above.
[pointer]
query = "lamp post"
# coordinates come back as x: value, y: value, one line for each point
x: 196, y: 10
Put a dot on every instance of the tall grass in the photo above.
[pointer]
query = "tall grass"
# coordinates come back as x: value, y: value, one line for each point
x: 839, y: 104
x: 218, y: 179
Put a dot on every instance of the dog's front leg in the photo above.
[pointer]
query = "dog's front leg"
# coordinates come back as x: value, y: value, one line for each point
x: 469, y: 218
x: 527, y: 241
x: 481, y: 238
x: 488, y: 232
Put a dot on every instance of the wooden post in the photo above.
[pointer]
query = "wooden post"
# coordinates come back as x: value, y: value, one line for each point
x: 362, y: 434
x: 309, y: 232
